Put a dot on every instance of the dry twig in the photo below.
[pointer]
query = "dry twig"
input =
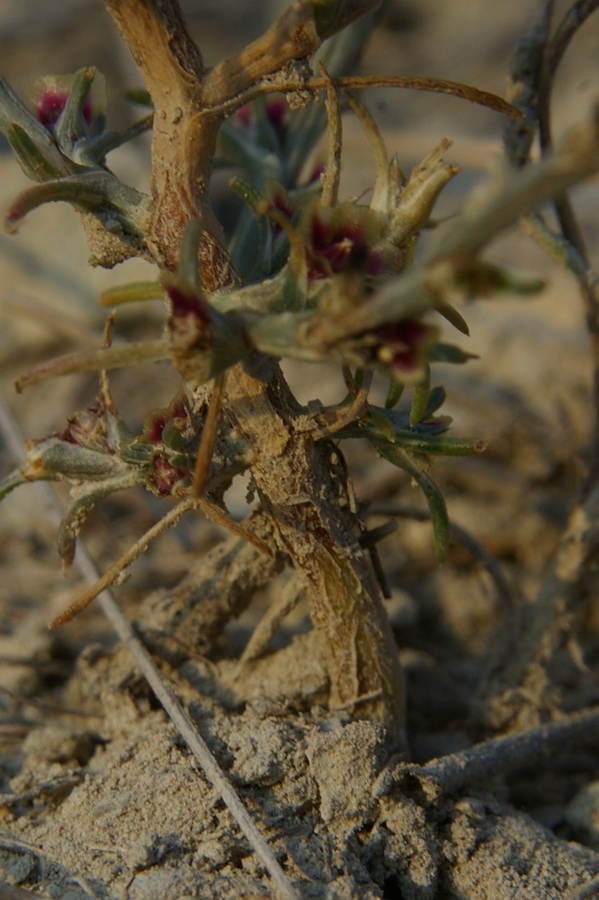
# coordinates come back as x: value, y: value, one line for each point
x: 458, y: 771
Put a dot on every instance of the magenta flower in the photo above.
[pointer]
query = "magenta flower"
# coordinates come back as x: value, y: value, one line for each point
x: 175, y: 419
x: 49, y: 96
x: 153, y: 428
x: 276, y: 111
x: 244, y: 115
x: 341, y: 239
x: 172, y: 433
x: 340, y: 249
x: 404, y: 345
x: 165, y: 479
x: 316, y: 173
x: 187, y: 301
x: 51, y: 104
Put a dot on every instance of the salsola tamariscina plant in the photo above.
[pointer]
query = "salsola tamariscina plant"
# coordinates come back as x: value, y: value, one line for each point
x: 305, y: 276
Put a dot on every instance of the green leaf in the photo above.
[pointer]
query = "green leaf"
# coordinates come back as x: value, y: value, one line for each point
x: 394, y: 392
x: 434, y: 498
x: 450, y: 353
x: 436, y: 399
x: 420, y: 398
x: 71, y: 125
x: 188, y: 270
x: 140, y: 96
x: 251, y: 246
x: 339, y: 54
x: 455, y: 318
x: 36, y: 164
x: 257, y: 163
x: 428, y: 440
x: 14, y: 112
x: 90, y: 191
x: 380, y: 424
x: 132, y: 293
x: 95, y: 360
x: 57, y: 458
x: 83, y: 500
x: 390, y: 426
x: 437, y: 445
x: 11, y: 481
x: 326, y: 13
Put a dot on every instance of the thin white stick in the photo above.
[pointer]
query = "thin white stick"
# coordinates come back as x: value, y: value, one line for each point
x: 164, y: 693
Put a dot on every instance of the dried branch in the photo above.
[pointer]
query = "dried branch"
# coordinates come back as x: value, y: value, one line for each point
x: 332, y: 173
x: 457, y: 771
x: 182, y: 152
x: 288, y: 598
x: 209, y: 435
x: 295, y: 36
x: 525, y: 78
x: 293, y: 85
x: 189, y: 105
x: 572, y: 21
x: 104, y: 358
x: 44, y: 705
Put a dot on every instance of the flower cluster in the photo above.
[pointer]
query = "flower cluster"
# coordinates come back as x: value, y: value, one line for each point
x: 170, y: 435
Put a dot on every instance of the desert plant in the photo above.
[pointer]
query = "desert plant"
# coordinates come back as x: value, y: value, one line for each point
x: 304, y: 275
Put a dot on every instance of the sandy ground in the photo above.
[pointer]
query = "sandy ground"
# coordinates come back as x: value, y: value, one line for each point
x: 101, y: 797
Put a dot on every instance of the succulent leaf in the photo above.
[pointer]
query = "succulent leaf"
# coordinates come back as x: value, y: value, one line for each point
x: 37, y: 164
x: 94, y: 192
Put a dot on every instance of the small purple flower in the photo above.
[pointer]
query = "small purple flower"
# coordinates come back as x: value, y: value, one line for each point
x: 50, y: 95
x: 164, y: 479
x: 187, y: 302
x: 154, y: 426
x: 316, y: 174
x: 50, y: 106
x: 276, y: 110
x: 160, y: 423
x: 244, y: 116
x: 338, y: 246
x: 404, y: 345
